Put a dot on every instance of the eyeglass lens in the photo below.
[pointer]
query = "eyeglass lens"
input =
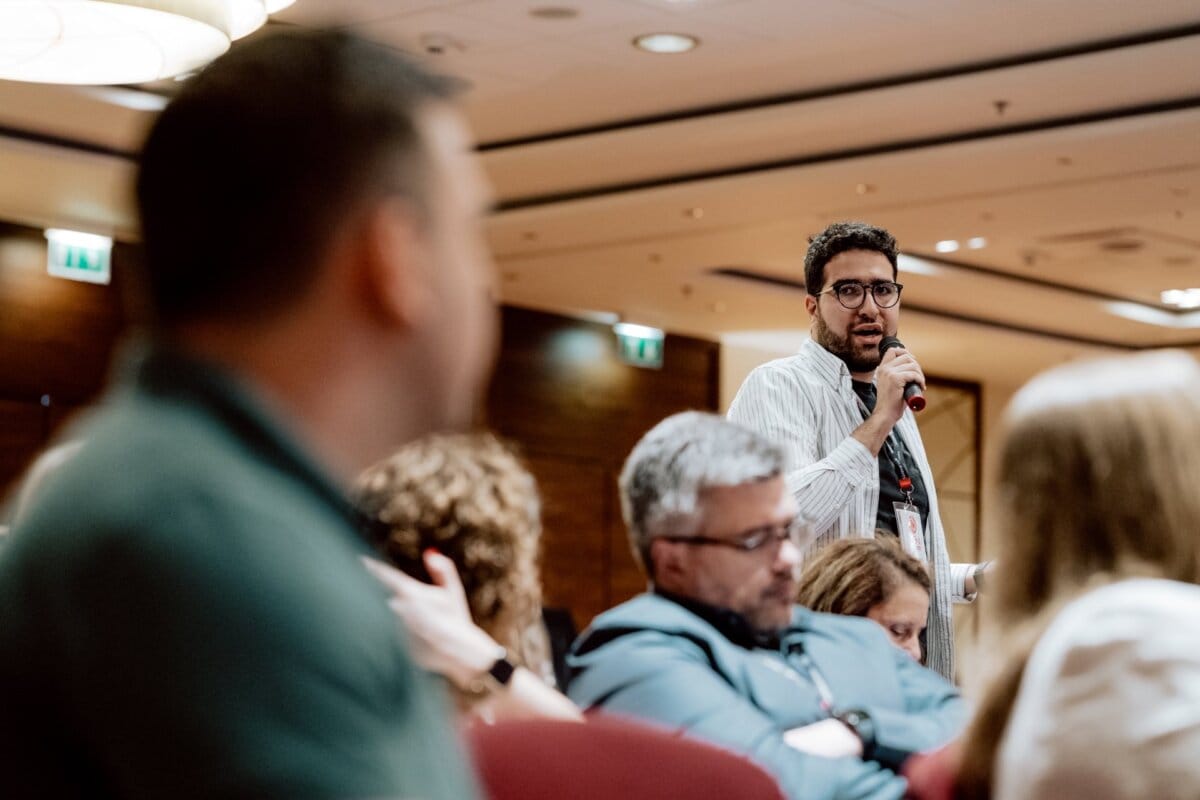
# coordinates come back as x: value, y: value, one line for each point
x: 852, y: 295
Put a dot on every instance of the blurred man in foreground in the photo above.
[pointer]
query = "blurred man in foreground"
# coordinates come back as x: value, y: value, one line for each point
x: 184, y: 611
x: 717, y: 649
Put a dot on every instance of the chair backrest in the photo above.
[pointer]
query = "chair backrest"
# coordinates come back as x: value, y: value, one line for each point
x: 608, y: 759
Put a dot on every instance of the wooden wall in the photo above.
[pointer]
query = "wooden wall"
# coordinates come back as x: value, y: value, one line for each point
x: 575, y: 411
x: 56, y: 339
x: 559, y: 392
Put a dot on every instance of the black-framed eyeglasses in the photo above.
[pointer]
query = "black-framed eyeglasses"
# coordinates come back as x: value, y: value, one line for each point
x: 748, y: 541
x: 852, y: 294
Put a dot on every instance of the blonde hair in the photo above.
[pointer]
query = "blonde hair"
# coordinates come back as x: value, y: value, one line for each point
x: 1097, y: 481
x: 852, y: 576
x: 469, y: 497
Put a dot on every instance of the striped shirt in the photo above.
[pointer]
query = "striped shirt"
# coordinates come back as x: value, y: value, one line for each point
x: 806, y: 404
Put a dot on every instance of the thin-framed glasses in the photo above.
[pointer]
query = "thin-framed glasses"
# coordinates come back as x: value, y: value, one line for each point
x: 852, y: 294
x: 750, y: 540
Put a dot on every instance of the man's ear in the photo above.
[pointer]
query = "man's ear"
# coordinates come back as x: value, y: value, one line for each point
x: 668, y: 563
x: 398, y: 268
x: 810, y: 304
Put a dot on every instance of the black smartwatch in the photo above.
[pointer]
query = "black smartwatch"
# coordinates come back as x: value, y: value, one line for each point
x: 862, y: 726
x: 498, y: 675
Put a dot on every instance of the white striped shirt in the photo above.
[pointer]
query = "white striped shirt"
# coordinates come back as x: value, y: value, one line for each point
x: 806, y: 404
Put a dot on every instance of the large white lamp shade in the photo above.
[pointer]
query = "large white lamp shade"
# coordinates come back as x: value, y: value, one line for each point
x: 118, y: 41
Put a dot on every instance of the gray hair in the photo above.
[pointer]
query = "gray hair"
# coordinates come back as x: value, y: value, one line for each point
x: 677, y: 460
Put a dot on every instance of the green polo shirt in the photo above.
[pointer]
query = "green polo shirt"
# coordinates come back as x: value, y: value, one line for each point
x: 184, y: 614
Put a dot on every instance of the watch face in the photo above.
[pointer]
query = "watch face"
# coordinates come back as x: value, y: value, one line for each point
x: 502, y: 671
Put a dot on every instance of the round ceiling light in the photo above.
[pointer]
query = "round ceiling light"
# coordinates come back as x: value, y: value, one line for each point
x: 117, y: 41
x: 670, y: 43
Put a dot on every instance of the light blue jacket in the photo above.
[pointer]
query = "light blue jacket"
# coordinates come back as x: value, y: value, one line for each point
x: 654, y: 659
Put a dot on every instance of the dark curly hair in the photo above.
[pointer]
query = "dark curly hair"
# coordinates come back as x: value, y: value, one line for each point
x: 838, y: 238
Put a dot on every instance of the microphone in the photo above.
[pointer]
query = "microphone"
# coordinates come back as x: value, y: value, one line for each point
x: 912, y: 389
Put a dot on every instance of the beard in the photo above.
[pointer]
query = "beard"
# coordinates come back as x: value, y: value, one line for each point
x: 858, y: 358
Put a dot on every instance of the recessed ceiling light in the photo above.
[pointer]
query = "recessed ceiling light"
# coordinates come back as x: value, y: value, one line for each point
x: 554, y: 12
x: 666, y: 42
x: 864, y: 188
x: 693, y: 213
x: 976, y: 243
x: 946, y: 246
x: 1182, y: 298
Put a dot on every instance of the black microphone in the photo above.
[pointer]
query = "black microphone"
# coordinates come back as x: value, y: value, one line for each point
x: 912, y: 390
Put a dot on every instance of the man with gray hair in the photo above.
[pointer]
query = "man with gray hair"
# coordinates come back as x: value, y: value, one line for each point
x: 717, y: 649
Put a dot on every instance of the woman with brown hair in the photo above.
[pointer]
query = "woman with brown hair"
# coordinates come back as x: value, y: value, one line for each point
x: 1095, y: 609
x: 461, y: 516
x: 871, y: 578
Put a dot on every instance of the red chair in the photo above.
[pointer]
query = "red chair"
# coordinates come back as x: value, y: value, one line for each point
x: 608, y: 759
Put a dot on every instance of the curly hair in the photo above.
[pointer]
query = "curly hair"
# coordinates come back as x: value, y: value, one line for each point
x: 470, y: 498
x: 852, y: 576
x: 838, y: 238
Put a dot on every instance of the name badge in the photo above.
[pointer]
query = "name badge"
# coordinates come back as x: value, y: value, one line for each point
x: 908, y: 525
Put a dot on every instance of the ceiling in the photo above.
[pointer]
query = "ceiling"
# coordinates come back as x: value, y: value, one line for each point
x: 679, y: 190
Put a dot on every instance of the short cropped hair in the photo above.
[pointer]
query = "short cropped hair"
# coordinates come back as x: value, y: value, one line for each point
x: 246, y: 174
x: 852, y: 576
x: 676, y: 461
x: 469, y: 497
x: 838, y: 238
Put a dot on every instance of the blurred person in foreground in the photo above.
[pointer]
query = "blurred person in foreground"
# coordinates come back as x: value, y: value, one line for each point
x: 718, y: 650
x: 1096, y: 615
x: 33, y: 482
x: 185, y: 610
x: 463, y: 515
x: 872, y: 578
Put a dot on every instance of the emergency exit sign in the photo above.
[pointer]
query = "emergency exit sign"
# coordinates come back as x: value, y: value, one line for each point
x: 79, y: 256
x: 639, y: 345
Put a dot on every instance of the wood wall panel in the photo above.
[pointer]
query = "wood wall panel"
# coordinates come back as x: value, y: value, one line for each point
x: 560, y: 392
x: 56, y: 342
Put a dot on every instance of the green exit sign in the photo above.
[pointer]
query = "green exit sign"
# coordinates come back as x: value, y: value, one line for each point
x: 79, y: 256
x: 639, y: 345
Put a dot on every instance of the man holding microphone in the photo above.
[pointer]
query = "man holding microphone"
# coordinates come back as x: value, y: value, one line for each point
x: 838, y: 407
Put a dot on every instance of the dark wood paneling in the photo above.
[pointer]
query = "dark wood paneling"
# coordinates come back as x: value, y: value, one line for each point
x: 576, y: 410
x: 56, y: 342
x: 22, y: 432
x: 574, y: 567
x: 559, y: 391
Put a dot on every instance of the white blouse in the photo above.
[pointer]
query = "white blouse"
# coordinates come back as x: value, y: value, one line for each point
x: 1109, y: 706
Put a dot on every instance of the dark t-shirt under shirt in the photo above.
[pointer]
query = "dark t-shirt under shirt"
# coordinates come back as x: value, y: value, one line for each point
x: 889, y: 478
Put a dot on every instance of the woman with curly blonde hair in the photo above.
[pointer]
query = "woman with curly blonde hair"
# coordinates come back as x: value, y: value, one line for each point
x: 461, y: 513
x: 1096, y: 613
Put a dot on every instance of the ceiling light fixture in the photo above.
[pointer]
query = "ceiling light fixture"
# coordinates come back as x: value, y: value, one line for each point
x: 103, y: 42
x: 946, y: 246
x: 666, y: 43
x: 1182, y: 298
x: 976, y: 243
x: 907, y: 263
